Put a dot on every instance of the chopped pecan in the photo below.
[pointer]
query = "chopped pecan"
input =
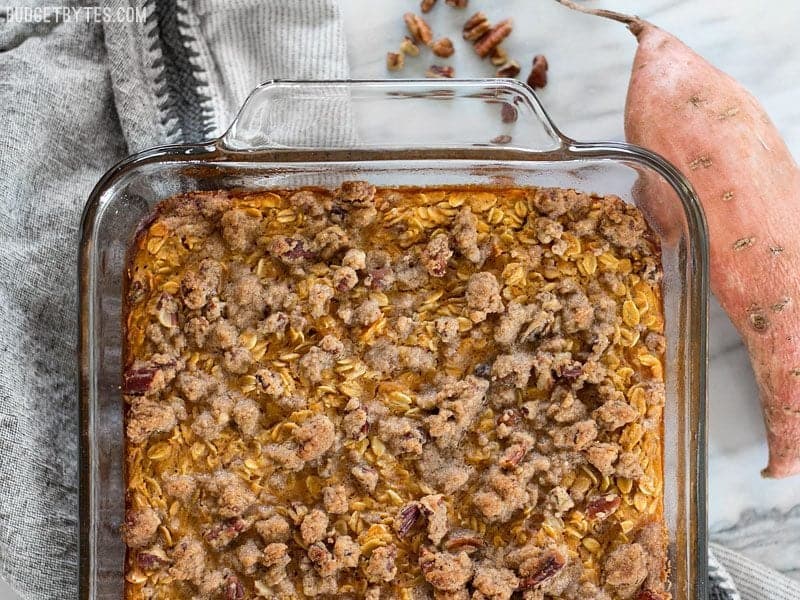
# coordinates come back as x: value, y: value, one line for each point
x: 380, y: 279
x: 492, y: 38
x: 443, y: 47
x: 602, y: 507
x: 510, y: 417
x: 463, y: 539
x: 548, y: 567
x: 513, y: 456
x: 426, y: 5
x: 498, y: 56
x: 510, y: 69
x: 440, y: 72
x: 290, y: 251
x: 234, y: 590
x: 408, y: 518
x: 407, y: 46
x: 152, y: 558
x: 221, y: 534
x: 418, y: 28
x: 136, y: 382
x: 457, y: 3
x: 394, y: 61
x: 538, y: 77
x: 477, y: 25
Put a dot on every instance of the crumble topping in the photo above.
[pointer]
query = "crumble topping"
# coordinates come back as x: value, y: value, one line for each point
x: 449, y: 393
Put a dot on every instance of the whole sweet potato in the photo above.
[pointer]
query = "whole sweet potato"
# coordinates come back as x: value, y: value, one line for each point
x: 717, y: 133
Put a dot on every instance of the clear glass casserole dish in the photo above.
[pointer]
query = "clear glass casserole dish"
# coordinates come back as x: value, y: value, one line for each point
x: 420, y: 133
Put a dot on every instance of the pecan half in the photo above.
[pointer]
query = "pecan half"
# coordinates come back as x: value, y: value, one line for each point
x: 548, y: 567
x: 457, y: 3
x: 408, y: 518
x: 440, y: 72
x: 602, y: 507
x: 477, y: 25
x: 492, y: 38
x: 443, y: 47
x: 538, y: 77
x: 418, y: 28
x: 463, y: 539
x: 426, y: 5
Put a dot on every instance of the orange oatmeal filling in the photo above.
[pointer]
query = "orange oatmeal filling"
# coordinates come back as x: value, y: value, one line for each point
x: 405, y: 393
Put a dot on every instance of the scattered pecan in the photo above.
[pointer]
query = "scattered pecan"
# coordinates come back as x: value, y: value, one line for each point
x: 443, y: 47
x: 426, y: 5
x: 418, y: 28
x: 463, y: 539
x: 457, y: 3
x: 440, y: 72
x: 510, y: 69
x: 492, y: 38
x: 538, y: 77
x: 407, y: 519
x: 234, y: 590
x: 407, y: 46
x: 476, y: 26
x: 602, y: 507
x: 548, y: 566
x: 513, y: 456
x: 508, y: 113
x: 498, y: 56
x: 394, y: 61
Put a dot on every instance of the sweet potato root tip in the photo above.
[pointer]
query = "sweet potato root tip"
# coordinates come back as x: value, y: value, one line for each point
x: 635, y: 24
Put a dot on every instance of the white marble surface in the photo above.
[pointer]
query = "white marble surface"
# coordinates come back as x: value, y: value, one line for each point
x: 753, y: 40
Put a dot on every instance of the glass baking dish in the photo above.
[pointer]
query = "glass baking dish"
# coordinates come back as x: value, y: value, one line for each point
x: 420, y: 133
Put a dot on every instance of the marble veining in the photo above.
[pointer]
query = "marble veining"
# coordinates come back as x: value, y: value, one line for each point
x: 590, y: 59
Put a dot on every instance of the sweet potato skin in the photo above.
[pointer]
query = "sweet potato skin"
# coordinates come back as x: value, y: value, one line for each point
x: 719, y: 136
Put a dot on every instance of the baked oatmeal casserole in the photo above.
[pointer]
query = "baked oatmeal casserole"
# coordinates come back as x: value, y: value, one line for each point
x: 450, y: 393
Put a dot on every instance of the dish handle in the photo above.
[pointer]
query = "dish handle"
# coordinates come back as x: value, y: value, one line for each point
x: 391, y: 114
